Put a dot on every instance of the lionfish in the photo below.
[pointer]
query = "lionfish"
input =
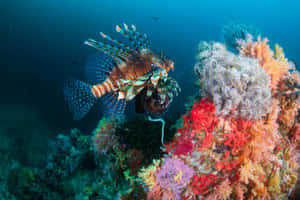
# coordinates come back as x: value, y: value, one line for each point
x: 120, y: 73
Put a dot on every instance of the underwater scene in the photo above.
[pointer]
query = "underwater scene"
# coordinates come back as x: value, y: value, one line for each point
x: 150, y: 100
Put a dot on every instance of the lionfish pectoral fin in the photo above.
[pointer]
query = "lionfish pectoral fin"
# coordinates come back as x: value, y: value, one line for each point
x: 112, y: 106
x: 98, y: 66
x: 79, y: 97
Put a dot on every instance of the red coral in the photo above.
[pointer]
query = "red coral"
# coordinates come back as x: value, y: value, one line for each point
x: 239, y: 135
x: 226, y: 154
x: 184, y: 147
x: 186, y: 124
x: 206, y: 142
x: 135, y: 158
x: 203, y: 119
x: 201, y: 184
x: 227, y: 166
x: 203, y: 116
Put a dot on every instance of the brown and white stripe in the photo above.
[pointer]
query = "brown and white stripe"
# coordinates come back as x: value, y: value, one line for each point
x: 106, y: 87
x: 131, y: 68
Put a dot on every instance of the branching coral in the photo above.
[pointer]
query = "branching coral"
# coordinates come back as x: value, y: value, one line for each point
x: 237, y: 84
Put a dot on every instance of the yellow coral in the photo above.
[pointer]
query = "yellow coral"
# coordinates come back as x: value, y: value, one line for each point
x: 274, y: 183
x: 148, y: 174
x: 251, y: 171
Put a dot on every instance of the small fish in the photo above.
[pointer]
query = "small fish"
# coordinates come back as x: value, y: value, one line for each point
x: 155, y: 18
x: 118, y: 73
x: 75, y: 62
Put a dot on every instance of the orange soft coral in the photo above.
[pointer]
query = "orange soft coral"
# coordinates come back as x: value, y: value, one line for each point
x: 295, y: 135
x: 275, y: 65
x: 222, y: 192
x: 288, y: 115
x: 265, y: 137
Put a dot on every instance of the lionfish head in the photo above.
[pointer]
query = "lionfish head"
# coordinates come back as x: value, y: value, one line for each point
x: 163, y: 62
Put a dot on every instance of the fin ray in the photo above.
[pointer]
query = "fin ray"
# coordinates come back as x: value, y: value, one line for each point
x: 137, y: 40
x: 98, y: 66
x: 111, y: 106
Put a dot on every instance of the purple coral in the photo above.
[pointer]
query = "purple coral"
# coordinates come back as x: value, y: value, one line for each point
x: 174, y: 175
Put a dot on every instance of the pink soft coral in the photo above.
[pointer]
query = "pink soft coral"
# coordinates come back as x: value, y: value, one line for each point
x: 174, y: 175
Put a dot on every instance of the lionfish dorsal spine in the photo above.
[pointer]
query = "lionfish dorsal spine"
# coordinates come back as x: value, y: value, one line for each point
x: 115, y: 52
x: 122, y: 47
x: 138, y: 40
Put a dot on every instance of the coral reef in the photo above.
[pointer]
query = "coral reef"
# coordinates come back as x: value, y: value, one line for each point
x: 73, y: 171
x: 239, y: 139
x: 241, y: 136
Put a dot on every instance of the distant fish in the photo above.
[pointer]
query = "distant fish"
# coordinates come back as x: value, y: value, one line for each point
x: 75, y: 62
x: 118, y: 74
x: 155, y: 18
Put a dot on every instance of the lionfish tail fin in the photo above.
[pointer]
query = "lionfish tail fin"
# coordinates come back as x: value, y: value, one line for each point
x: 79, y: 97
x: 139, y: 41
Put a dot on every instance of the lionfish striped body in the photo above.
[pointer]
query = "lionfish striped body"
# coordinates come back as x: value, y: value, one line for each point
x: 130, y: 69
x: 122, y: 71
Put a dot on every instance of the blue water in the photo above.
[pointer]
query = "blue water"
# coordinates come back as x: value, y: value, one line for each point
x: 42, y: 41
